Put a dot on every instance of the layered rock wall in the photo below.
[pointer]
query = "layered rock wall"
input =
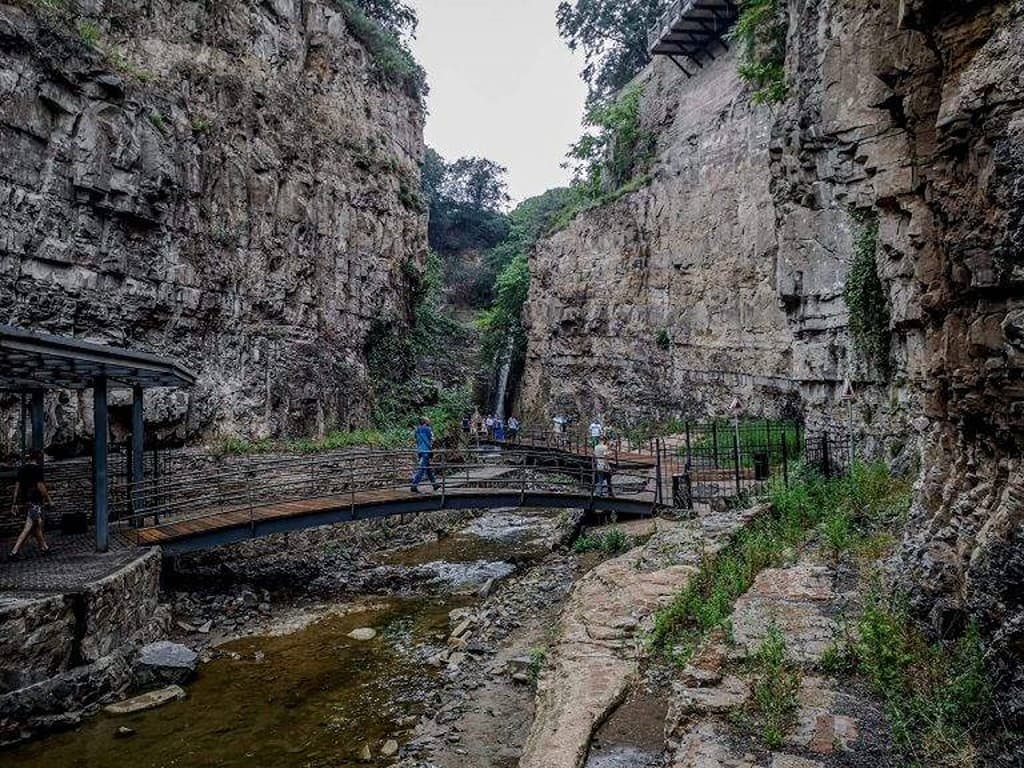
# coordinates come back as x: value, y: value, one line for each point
x: 907, y: 114
x: 231, y: 184
x: 636, y: 305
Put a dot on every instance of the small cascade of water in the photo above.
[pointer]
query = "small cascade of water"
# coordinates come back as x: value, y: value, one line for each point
x: 504, y: 373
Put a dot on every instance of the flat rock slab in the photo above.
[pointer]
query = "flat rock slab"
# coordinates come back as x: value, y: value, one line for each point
x: 150, y: 700
x: 363, y: 634
x: 169, y: 655
x: 797, y: 600
x: 599, y: 638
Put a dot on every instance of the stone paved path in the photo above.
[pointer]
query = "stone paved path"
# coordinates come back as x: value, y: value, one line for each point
x: 599, y: 638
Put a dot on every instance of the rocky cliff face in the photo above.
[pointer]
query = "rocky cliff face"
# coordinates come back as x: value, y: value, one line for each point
x: 231, y: 184
x: 635, y: 305
x: 908, y: 115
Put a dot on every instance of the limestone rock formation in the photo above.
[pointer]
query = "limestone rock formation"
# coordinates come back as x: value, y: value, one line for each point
x: 908, y: 115
x: 232, y: 184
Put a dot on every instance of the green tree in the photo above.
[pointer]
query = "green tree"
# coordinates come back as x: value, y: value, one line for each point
x: 467, y: 200
x: 613, y: 36
x: 396, y: 17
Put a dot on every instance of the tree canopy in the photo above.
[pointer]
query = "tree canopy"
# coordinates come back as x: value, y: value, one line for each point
x: 396, y: 17
x: 613, y: 36
x: 467, y: 199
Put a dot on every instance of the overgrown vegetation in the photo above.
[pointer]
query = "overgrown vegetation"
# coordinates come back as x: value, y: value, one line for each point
x: 774, y: 693
x: 612, y: 158
x: 379, y: 26
x: 937, y: 696
x: 706, y: 603
x: 866, y: 299
x: 613, y: 37
x: 374, y: 438
x: 610, y: 542
x: 761, y: 33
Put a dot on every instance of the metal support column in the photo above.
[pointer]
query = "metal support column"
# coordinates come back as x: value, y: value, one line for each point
x: 99, y: 464
x: 138, y: 448
x: 38, y: 424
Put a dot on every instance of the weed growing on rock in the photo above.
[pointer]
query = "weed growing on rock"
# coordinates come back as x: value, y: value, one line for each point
x: 90, y: 33
x: 774, y: 701
x: 936, y: 695
x: 610, y: 542
x: 538, y: 658
x: 707, y: 601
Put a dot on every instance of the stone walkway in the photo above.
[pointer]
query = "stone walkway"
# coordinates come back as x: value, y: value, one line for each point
x: 599, y: 638
x: 832, y: 727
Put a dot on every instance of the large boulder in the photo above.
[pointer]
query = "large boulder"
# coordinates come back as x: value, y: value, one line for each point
x: 164, y: 663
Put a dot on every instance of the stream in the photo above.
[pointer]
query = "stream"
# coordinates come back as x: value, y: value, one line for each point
x: 314, y: 697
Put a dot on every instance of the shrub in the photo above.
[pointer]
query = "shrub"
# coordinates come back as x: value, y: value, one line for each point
x: 392, y: 60
x: 761, y: 32
x: 774, y: 700
x: 866, y: 298
x: 611, y: 542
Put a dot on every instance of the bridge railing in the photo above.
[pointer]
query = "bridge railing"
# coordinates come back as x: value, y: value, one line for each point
x: 354, y: 478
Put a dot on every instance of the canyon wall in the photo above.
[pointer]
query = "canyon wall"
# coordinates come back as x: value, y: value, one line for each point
x: 232, y: 184
x: 906, y: 115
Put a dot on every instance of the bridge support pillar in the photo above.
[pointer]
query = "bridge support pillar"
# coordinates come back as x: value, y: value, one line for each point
x: 138, y: 446
x: 99, y: 463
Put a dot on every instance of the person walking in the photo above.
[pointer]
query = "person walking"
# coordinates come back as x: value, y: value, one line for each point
x: 489, y: 423
x: 602, y: 469
x: 424, y: 449
x: 30, y: 489
x: 596, y: 431
x: 513, y: 429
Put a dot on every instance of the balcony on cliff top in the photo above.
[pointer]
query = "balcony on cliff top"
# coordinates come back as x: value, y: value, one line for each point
x: 690, y: 32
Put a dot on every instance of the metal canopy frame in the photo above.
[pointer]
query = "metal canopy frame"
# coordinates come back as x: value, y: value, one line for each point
x: 690, y: 29
x: 34, y: 361
x: 31, y: 363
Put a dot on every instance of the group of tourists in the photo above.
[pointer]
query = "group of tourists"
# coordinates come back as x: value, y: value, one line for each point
x: 494, y: 428
x: 491, y: 427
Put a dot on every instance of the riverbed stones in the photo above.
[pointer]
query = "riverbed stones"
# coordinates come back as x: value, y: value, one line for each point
x: 164, y: 663
x: 363, y: 634
x: 390, y: 748
x: 147, y: 701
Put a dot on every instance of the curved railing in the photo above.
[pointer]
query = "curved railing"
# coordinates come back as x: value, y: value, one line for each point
x: 349, y: 478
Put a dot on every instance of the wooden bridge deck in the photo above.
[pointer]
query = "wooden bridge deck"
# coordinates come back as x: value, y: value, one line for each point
x: 239, y: 524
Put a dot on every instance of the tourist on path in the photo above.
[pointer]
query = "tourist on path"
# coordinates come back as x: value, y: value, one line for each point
x: 513, y: 429
x: 424, y: 449
x: 490, y: 426
x: 30, y: 489
x: 596, y: 430
x: 602, y: 469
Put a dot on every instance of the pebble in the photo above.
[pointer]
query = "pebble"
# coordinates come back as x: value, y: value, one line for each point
x: 363, y: 634
x: 390, y: 748
x: 123, y: 732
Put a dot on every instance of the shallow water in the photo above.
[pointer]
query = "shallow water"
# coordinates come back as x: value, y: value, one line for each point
x: 313, y: 698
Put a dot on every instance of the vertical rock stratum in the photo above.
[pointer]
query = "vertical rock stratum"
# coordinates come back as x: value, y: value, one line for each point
x: 903, y: 129
x: 233, y: 184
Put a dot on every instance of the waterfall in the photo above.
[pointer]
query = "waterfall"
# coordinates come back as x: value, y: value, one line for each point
x: 504, y: 373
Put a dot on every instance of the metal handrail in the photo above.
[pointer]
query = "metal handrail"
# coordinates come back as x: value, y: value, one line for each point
x: 270, y: 483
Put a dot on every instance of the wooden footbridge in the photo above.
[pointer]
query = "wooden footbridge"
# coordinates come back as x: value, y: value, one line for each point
x: 266, y: 497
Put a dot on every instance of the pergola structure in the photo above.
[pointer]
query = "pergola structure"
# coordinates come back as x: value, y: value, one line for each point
x: 691, y: 29
x: 32, y: 363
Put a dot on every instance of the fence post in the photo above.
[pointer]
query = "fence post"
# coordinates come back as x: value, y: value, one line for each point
x: 785, y: 458
x: 657, y: 468
x: 826, y: 460
x: 736, y: 459
x: 714, y: 440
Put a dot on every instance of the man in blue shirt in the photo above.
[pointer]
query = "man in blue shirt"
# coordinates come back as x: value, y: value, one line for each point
x: 424, y: 447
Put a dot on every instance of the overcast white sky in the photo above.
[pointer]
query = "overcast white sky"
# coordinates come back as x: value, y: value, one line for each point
x: 503, y: 85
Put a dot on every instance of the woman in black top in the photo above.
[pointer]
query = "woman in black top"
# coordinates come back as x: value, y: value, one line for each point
x: 32, y: 492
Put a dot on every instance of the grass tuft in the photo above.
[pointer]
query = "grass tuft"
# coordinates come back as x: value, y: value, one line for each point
x: 774, y: 701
